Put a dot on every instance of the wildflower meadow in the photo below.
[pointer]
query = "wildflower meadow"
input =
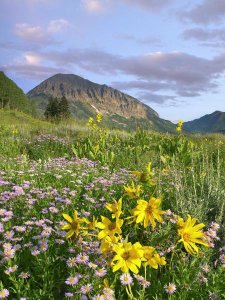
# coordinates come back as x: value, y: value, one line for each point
x: 89, y: 213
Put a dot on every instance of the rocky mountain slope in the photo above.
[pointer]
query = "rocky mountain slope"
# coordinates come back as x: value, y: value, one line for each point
x: 214, y: 122
x: 86, y: 98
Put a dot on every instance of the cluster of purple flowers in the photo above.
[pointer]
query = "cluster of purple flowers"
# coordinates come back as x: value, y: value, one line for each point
x: 31, y: 215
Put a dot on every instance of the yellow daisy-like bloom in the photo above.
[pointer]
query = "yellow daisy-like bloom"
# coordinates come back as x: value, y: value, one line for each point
x: 191, y: 235
x: 148, y: 212
x: 108, y: 227
x: 108, y: 242
x: 128, y: 257
x: 133, y: 191
x: 152, y: 258
x: 74, y: 225
x: 91, y: 224
x: 145, y: 176
x: 115, y: 208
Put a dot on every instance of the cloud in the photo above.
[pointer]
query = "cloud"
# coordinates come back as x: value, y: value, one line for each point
x: 32, y: 33
x: 149, y: 40
x: 202, y: 34
x: 148, y: 97
x: 152, y: 85
x: 59, y: 25
x: 99, y: 6
x: 206, y: 37
x: 32, y: 59
x: 32, y: 71
x: 41, y: 35
x: 209, y: 11
x: 178, y: 73
x: 95, y: 6
x: 153, y: 5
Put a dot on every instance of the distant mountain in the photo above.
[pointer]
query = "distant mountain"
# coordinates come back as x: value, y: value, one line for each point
x: 214, y: 122
x: 12, y: 97
x: 86, y: 98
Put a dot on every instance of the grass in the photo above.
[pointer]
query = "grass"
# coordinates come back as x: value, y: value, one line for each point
x: 48, y: 170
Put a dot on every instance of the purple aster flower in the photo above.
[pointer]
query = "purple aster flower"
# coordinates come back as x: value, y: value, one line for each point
x: 72, y: 280
x: 170, y: 288
x: 4, y: 294
x: 85, y: 289
x: 145, y: 283
x: 82, y: 258
x: 126, y: 279
x: 71, y: 262
x: 11, y: 270
x: 215, y: 226
x: 69, y: 295
x: 100, y: 272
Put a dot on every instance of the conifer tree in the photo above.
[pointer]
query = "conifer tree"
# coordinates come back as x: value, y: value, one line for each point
x: 52, y: 109
x: 64, y: 110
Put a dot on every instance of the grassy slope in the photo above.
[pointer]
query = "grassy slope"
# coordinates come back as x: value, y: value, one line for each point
x: 16, y: 118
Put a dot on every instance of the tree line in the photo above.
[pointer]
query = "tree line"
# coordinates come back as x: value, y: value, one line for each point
x: 57, y: 109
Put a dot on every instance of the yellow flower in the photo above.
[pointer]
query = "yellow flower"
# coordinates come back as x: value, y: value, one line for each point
x: 146, y: 175
x: 90, y: 122
x: 180, y: 222
x: 99, y: 117
x: 147, y: 212
x: 128, y: 257
x: 108, y: 227
x: 108, y: 243
x: 115, y: 208
x: 91, y: 224
x: 74, y: 224
x: 152, y: 258
x: 179, y: 125
x: 191, y: 235
x: 133, y: 191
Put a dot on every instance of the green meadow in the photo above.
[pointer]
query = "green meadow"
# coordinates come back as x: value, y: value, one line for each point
x: 92, y: 213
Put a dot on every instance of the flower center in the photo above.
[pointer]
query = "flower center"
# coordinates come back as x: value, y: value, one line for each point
x: 126, y: 255
x: 74, y: 225
x: 148, y: 209
x: 112, y: 226
x: 186, y: 237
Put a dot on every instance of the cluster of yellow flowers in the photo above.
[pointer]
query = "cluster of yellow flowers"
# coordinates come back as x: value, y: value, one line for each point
x: 130, y: 256
x: 127, y: 256
x: 179, y: 125
x: 93, y: 123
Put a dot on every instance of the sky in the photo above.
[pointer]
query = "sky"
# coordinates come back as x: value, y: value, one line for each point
x: 169, y: 54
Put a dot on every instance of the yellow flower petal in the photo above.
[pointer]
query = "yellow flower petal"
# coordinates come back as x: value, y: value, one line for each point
x: 67, y: 218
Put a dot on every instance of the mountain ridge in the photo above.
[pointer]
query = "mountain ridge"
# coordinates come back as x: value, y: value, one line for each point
x: 86, y: 98
x: 214, y: 122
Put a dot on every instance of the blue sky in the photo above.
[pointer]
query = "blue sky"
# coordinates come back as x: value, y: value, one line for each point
x: 170, y: 54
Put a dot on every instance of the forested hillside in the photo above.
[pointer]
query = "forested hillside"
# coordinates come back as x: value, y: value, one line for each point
x: 12, y: 97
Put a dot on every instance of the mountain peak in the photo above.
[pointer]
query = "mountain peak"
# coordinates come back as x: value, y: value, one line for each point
x: 86, y: 98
